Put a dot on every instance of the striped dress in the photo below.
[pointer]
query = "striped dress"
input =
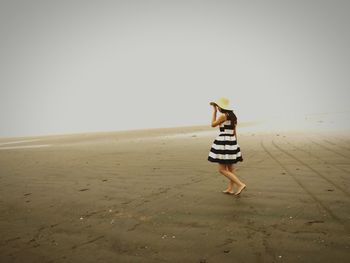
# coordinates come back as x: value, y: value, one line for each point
x: 225, y: 148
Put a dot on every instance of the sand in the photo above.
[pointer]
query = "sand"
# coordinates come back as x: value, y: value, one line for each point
x: 152, y: 196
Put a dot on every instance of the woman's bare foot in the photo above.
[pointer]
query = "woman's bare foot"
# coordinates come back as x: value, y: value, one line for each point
x: 240, y: 189
x: 228, y: 191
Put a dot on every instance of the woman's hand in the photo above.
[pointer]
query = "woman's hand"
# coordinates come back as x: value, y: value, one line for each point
x: 215, y: 108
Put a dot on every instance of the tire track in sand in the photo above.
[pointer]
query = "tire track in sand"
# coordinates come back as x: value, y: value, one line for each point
x: 292, y: 175
x: 336, y: 141
x: 329, y: 149
x: 318, y: 158
x: 312, y: 169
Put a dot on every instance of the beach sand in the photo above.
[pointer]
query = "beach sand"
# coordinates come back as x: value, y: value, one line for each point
x: 152, y: 196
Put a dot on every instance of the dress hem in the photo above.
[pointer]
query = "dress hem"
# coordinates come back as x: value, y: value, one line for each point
x: 239, y: 159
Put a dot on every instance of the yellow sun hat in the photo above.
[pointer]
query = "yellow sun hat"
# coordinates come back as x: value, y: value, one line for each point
x: 223, y: 103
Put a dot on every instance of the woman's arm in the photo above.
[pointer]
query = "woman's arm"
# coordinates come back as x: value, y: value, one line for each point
x: 213, y: 119
x: 215, y: 122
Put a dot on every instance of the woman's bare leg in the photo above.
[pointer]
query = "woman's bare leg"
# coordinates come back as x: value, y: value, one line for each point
x: 223, y: 169
x: 229, y: 189
x: 231, y: 183
x: 231, y: 168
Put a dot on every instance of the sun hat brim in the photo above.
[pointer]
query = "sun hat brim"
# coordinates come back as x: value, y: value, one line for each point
x: 222, y: 106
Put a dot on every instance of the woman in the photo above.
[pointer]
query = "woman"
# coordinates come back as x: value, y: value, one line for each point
x: 225, y: 150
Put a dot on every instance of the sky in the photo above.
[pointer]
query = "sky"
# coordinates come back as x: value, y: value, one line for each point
x: 86, y: 66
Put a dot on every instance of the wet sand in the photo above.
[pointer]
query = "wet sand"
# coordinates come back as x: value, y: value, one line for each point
x: 152, y: 196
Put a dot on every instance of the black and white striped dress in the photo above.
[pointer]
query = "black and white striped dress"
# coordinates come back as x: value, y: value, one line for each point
x: 225, y: 148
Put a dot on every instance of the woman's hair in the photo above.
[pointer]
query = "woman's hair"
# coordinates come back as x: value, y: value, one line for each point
x: 231, y: 116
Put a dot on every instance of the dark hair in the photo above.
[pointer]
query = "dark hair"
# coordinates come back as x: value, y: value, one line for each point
x: 231, y: 116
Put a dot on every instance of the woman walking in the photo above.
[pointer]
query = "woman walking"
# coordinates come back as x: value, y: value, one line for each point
x: 225, y: 150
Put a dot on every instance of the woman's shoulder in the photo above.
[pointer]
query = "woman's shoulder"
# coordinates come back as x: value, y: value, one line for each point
x: 225, y: 118
x: 224, y: 115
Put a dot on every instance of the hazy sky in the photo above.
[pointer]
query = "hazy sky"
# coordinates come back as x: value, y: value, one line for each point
x: 77, y: 66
